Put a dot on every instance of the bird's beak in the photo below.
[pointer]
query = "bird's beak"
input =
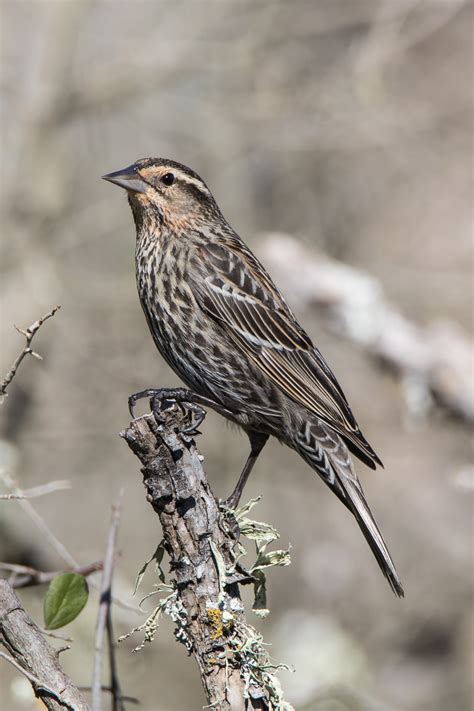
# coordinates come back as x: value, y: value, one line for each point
x: 129, y: 179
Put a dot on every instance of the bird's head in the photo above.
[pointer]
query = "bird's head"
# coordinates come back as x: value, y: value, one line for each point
x: 166, y: 192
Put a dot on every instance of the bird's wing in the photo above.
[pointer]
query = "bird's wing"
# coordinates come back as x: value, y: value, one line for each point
x: 239, y: 294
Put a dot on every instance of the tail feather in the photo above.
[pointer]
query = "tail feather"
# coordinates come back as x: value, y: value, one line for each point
x: 325, y: 451
x: 357, y: 504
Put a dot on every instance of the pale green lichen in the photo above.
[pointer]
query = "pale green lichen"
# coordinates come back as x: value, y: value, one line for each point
x: 262, y: 534
x: 233, y: 643
x: 170, y: 605
x: 258, y: 671
x: 245, y: 648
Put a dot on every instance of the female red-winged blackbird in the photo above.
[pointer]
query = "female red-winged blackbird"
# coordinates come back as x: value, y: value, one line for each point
x: 222, y: 325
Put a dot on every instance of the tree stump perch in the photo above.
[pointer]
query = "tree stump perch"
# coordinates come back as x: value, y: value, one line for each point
x: 200, y: 545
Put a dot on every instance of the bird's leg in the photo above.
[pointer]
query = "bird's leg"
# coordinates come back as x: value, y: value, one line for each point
x: 257, y: 443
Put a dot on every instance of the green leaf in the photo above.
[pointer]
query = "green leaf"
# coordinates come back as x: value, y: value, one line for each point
x: 66, y: 596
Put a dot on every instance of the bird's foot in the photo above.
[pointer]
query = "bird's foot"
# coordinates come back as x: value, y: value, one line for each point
x: 161, y: 398
x: 233, y: 501
x: 158, y: 395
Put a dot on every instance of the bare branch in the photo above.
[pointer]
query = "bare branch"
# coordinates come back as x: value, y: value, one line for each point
x: 125, y: 698
x: 48, y: 534
x: 23, y: 576
x: 55, y: 635
x: 104, y: 613
x: 115, y: 689
x: 31, y: 654
x: 29, y: 334
x: 36, y: 491
x: 28, y: 507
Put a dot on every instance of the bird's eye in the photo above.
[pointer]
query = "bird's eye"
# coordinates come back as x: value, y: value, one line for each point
x: 167, y: 179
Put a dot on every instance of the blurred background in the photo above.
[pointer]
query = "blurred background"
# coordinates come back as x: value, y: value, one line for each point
x: 346, y: 126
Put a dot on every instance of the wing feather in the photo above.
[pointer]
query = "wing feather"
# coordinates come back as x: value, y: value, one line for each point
x: 242, y: 298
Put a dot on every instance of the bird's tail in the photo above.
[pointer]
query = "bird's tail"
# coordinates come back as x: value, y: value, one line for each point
x: 325, y: 451
x: 357, y: 503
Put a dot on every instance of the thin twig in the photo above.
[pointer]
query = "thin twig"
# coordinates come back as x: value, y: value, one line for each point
x: 116, y: 691
x: 36, y: 491
x: 55, y: 543
x: 104, y: 604
x: 125, y: 698
x: 28, y: 507
x: 55, y: 635
x: 29, y: 334
x: 23, y: 576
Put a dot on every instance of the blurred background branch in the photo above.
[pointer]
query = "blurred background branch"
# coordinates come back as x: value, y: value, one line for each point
x: 22, y: 576
x: 40, y: 490
x: 435, y: 363
x: 104, y: 626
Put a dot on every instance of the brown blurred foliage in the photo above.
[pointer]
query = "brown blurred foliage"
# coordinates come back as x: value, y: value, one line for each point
x: 344, y: 122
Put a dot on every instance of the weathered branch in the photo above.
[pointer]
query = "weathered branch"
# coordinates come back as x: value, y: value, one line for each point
x: 31, y: 653
x: 211, y: 619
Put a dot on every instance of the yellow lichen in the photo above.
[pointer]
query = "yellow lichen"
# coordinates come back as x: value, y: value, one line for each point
x: 219, y: 622
x: 214, y: 615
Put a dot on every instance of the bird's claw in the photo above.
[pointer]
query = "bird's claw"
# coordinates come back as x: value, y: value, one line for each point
x: 197, y: 418
x: 135, y: 397
x: 158, y: 398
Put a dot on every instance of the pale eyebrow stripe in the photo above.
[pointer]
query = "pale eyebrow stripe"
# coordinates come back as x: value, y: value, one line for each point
x: 192, y: 181
x: 180, y: 175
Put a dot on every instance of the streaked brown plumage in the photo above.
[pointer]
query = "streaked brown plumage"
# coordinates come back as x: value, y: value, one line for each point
x: 220, y: 322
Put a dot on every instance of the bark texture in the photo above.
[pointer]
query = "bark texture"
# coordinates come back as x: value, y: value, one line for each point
x: 25, y: 643
x: 197, y: 541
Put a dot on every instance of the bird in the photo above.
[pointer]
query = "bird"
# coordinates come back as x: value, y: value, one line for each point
x: 223, y: 326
